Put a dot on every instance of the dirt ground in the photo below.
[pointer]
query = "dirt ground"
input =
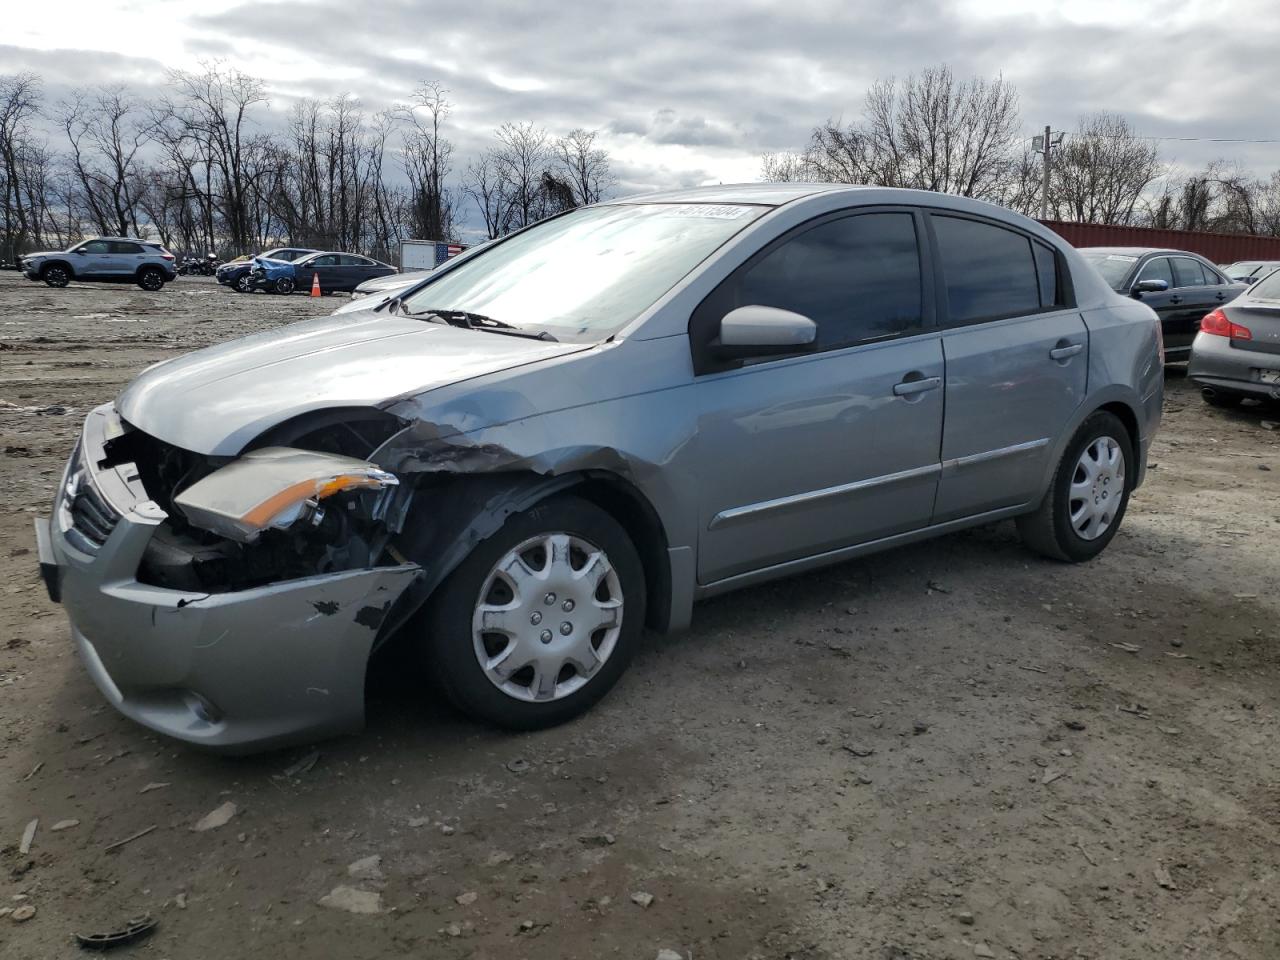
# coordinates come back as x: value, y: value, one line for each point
x: 953, y: 750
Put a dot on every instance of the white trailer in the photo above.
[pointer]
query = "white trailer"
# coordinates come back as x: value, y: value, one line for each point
x: 418, y: 255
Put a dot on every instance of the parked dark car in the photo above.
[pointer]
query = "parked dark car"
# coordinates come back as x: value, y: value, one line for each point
x: 338, y: 271
x: 1180, y: 287
x: 235, y: 273
x: 1250, y: 271
x: 1236, y: 354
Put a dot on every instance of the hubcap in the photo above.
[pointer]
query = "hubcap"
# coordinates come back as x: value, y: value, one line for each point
x: 548, y: 617
x: 1097, y: 488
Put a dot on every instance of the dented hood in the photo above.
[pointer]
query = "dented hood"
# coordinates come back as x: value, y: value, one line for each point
x: 216, y: 400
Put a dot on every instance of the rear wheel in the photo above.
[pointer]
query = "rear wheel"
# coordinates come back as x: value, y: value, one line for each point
x: 1088, y: 495
x: 1217, y: 398
x: 56, y: 275
x: 541, y: 620
x: 284, y: 285
x: 151, y: 278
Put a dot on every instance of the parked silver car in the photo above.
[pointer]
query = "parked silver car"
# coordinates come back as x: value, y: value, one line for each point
x: 104, y: 259
x: 579, y: 431
x: 1236, y: 354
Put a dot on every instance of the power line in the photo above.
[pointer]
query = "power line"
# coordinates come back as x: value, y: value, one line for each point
x: 1124, y: 136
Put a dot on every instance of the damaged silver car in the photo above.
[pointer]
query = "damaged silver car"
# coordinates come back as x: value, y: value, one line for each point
x: 519, y: 463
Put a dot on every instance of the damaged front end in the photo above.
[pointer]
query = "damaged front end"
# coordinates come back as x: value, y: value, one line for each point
x: 230, y: 602
x: 309, y: 504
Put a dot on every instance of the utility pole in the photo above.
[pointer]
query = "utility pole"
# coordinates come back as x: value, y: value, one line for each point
x: 1044, y: 145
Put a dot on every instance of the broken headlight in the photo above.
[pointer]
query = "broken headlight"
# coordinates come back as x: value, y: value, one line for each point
x: 276, y: 488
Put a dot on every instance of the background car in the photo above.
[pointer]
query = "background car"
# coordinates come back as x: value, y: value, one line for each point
x: 104, y: 259
x: 233, y: 274
x: 1236, y: 354
x: 389, y: 283
x: 1180, y: 287
x: 1250, y: 271
x: 339, y: 271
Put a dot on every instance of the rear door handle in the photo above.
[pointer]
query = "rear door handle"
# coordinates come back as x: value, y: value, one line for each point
x: 1220, y: 295
x: 1066, y: 352
x: 908, y: 388
x: 1175, y: 299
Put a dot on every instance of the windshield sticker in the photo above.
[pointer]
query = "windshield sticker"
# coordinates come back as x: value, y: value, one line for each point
x: 1121, y: 257
x: 707, y: 211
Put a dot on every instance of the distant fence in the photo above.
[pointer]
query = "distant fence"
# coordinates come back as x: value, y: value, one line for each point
x: 1216, y: 247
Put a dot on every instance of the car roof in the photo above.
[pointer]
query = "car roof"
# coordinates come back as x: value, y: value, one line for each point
x: 765, y: 194
x: 126, y: 239
x: 1138, y: 251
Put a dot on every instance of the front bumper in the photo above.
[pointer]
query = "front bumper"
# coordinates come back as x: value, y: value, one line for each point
x: 237, y: 672
x: 1216, y: 362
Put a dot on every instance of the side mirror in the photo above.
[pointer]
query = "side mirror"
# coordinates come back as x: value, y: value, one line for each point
x: 80, y: 250
x: 1150, y: 286
x: 756, y: 331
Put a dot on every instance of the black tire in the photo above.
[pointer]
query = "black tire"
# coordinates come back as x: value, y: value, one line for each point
x: 1049, y: 530
x: 450, y: 650
x: 151, y: 279
x: 1217, y: 398
x: 243, y: 284
x: 56, y: 275
x: 284, y: 286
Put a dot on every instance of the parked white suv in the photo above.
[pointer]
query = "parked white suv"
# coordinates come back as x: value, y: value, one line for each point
x: 110, y: 259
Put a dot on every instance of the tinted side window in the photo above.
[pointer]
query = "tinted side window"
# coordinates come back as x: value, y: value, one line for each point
x: 857, y: 278
x: 1047, y: 272
x: 351, y: 260
x: 96, y: 246
x: 1157, y: 269
x: 330, y: 261
x: 989, y: 271
x: 119, y: 246
x: 1187, y: 272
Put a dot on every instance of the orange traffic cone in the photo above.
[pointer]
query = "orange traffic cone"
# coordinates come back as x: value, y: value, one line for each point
x: 315, y: 284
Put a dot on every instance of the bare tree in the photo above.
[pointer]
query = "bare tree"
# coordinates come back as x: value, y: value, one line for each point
x: 19, y: 103
x: 106, y: 132
x: 584, y: 166
x: 929, y: 132
x: 427, y: 156
x: 1101, y: 172
x: 787, y: 167
x: 520, y: 159
x: 484, y: 185
x: 208, y: 126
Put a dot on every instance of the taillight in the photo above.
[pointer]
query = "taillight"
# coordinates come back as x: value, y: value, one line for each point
x: 1218, y: 324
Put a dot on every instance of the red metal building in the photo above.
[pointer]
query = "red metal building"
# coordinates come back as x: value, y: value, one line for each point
x: 1215, y: 247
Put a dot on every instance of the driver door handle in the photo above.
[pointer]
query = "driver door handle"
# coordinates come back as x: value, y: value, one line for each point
x: 1066, y: 351
x: 1175, y: 299
x: 908, y: 388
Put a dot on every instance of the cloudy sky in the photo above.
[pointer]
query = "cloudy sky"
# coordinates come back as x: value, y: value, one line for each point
x: 692, y: 92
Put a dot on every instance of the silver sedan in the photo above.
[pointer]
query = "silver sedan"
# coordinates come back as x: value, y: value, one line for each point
x: 576, y: 432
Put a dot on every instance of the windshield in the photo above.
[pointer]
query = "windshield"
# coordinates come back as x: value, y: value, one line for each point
x: 1267, y: 288
x: 1245, y: 268
x: 586, y: 274
x: 1114, y: 267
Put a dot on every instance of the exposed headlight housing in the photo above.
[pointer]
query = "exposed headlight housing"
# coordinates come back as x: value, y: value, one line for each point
x: 276, y: 487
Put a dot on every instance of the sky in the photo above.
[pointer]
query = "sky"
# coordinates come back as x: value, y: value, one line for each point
x: 693, y: 92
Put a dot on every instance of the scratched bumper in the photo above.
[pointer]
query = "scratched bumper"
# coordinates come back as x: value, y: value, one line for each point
x: 236, y: 672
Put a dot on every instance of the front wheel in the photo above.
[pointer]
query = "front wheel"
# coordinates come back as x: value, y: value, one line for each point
x: 1088, y: 495
x: 56, y: 275
x: 243, y: 284
x: 540, y: 621
x: 284, y: 285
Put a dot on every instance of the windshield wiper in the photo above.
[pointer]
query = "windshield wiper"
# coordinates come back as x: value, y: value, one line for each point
x: 471, y: 321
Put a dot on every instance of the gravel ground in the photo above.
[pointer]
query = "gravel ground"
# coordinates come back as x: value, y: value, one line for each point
x: 953, y: 750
